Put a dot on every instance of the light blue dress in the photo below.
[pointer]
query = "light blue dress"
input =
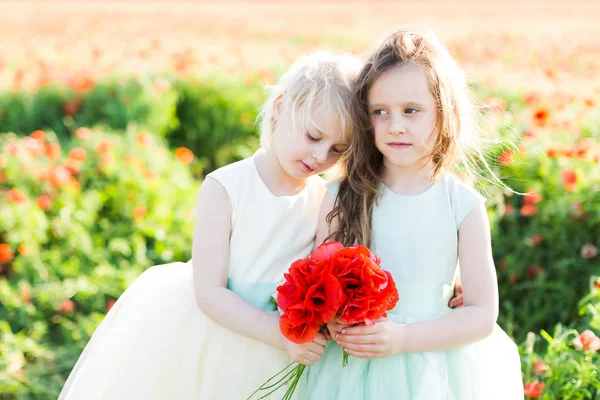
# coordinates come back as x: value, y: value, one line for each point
x: 416, y: 238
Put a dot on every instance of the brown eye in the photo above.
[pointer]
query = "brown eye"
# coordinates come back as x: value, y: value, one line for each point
x: 379, y: 112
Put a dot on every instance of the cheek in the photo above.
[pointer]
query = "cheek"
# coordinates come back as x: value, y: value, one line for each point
x: 430, y: 139
x: 379, y: 132
x: 331, y: 161
x: 290, y: 147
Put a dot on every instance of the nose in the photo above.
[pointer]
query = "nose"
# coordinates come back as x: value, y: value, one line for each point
x: 321, y: 152
x: 397, y: 126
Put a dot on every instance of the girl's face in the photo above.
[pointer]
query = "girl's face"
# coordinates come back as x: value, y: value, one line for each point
x: 403, y: 115
x: 311, y: 150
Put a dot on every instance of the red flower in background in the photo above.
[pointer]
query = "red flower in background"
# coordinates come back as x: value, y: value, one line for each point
x: 506, y: 158
x: 541, y: 116
x: 83, y: 133
x: 142, y: 138
x: 23, y: 250
x: 67, y: 306
x: 35, y: 147
x: 110, y: 304
x: 71, y: 107
x: 53, y: 151
x: 528, y: 210
x: 587, y: 341
x: 540, y: 367
x: 184, y: 155
x: 569, y: 179
x: 44, y: 202
x: 78, y: 154
x: 15, y: 196
x: 6, y: 253
x: 39, y: 135
x: 139, y: 212
x: 532, y: 197
x: 105, y: 146
x: 534, y: 389
x: 59, y: 176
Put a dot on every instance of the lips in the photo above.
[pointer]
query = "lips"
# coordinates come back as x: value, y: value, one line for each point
x: 399, y: 145
x: 307, y: 167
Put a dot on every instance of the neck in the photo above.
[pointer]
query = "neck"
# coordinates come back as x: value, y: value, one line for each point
x: 274, y: 176
x: 408, y: 180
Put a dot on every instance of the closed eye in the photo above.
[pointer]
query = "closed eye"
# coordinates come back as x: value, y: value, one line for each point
x: 311, y: 137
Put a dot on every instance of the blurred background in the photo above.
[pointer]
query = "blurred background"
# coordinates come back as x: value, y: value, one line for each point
x: 112, y: 113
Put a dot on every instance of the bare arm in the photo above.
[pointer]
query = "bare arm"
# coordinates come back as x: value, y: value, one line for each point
x: 210, y: 255
x: 323, y: 229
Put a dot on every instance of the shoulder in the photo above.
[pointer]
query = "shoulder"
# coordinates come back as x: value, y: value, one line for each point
x: 463, y: 198
x: 233, y: 171
x: 232, y: 178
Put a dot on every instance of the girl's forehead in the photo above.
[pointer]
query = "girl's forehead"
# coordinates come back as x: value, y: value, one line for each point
x: 328, y: 123
x: 401, y: 84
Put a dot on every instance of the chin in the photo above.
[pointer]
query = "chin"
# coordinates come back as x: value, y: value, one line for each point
x: 296, y: 173
x: 402, y: 163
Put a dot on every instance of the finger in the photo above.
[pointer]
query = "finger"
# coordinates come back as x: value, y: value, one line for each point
x: 359, y: 330
x: 305, y: 361
x: 315, y: 348
x: 309, y: 355
x: 360, y: 354
x: 332, y: 330
x: 457, y: 301
x: 370, y: 348
x: 320, y: 338
x: 357, y: 339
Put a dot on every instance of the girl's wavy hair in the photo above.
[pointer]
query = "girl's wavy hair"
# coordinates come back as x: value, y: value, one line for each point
x: 457, y: 140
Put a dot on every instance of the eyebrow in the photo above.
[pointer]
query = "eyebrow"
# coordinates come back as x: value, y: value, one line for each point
x: 411, y: 103
x: 319, y: 132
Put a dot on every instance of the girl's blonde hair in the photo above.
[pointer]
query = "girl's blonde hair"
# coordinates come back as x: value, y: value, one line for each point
x: 456, y: 139
x: 321, y: 80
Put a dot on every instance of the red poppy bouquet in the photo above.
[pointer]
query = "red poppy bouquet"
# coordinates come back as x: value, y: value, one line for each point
x: 333, y: 280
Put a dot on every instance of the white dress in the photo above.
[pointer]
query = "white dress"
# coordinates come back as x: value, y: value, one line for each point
x: 156, y: 344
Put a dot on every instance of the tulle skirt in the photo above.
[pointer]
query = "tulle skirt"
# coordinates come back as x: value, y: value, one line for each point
x: 156, y: 344
x: 487, y: 370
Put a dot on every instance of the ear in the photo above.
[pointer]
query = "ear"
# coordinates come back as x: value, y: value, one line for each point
x: 277, y: 107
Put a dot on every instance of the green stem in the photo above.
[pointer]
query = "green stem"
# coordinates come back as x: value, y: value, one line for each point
x: 265, y: 385
x: 290, y: 392
x: 345, y: 359
x: 296, y: 373
x: 285, y: 378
